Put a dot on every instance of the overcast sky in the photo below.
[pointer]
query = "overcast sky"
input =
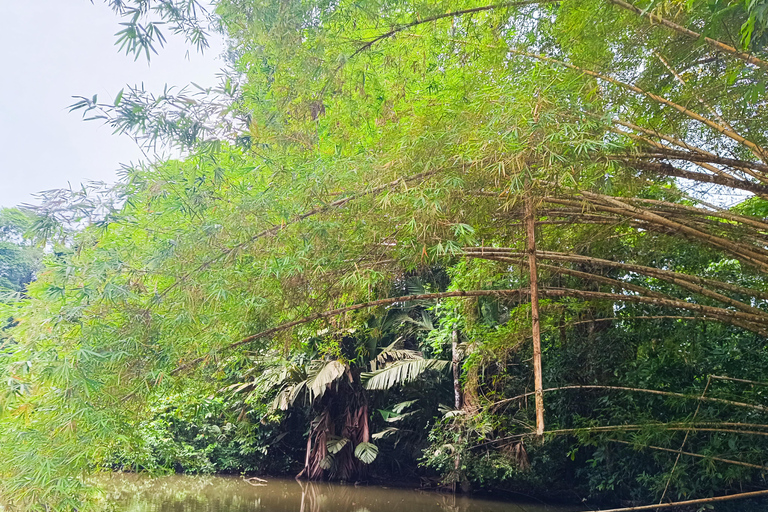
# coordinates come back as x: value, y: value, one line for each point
x: 51, y: 50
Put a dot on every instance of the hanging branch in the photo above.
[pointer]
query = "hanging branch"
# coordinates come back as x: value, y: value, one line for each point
x: 690, y: 454
x: 671, y: 427
x: 453, y: 14
x: 649, y: 293
x: 696, y: 157
x: 701, y: 161
x: 739, y: 250
x: 703, y: 165
x: 621, y: 285
x: 718, y: 45
x: 675, y: 427
x: 640, y: 269
x: 655, y: 97
x: 743, y: 381
x: 666, y: 169
x: 704, y: 156
x: 690, y: 222
x: 601, y: 215
x: 298, y: 218
x: 724, y: 130
x: 429, y: 19
x: 726, y: 316
x: 685, y: 440
x: 518, y: 293
x: 754, y: 222
x: 692, y: 283
x: 653, y: 133
x: 682, y: 82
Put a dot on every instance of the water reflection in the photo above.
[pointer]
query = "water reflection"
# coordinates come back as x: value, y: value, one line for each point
x: 133, y: 493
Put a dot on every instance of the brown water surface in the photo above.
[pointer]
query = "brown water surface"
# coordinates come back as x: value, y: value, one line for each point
x: 133, y: 493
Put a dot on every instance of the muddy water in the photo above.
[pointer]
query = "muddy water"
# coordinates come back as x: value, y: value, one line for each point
x: 131, y: 493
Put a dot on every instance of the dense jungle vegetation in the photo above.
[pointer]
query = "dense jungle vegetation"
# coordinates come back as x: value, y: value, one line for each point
x: 510, y: 247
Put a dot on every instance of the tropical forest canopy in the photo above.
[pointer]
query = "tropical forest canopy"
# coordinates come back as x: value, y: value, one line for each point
x: 519, y: 245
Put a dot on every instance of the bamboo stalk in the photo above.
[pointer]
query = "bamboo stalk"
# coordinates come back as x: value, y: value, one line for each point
x: 745, y: 381
x: 452, y: 14
x: 757, y: 315
x: 673, y: 228
x: 518, y: 292
x: 725, y: 244
x: 754, y: 222
x: 754, y: 255
x: 690, y: 454
x: 706, y: 105
x: 535, y: 324
x: 640, y: 390
x: 711, y: 158
x: 726, y: 315
x: 672, y: 427
x: 607, y: 280
x: 668, y: 138
x: 746, y: 321
x: 685, y: 440
x: 711, y: 168
x: 701, y: 501
x: 640, y: 269
x: 667, y: 169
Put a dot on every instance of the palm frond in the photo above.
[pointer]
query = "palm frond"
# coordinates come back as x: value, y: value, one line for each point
x: 287, y: 395
x: 390, y: 353
x: 366, y: 452
x: 385, y: 433
x: 320, y: 376
x: 336, y: 444
x: 398, y: 408
x: 401, y: 372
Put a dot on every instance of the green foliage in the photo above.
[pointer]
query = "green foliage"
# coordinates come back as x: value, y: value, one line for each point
x: 20, y: 260
x: 186, y: 433
x: 351, y: 206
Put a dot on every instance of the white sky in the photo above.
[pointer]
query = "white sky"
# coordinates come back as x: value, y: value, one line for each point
x: 51, y: 50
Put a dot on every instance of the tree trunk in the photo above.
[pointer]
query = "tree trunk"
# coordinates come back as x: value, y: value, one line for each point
x: 455, y: 363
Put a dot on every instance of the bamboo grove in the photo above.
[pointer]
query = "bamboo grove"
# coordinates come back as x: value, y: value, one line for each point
x: 536, y: 230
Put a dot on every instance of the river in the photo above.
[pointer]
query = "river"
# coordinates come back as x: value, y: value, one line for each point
x: 133, y: 493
